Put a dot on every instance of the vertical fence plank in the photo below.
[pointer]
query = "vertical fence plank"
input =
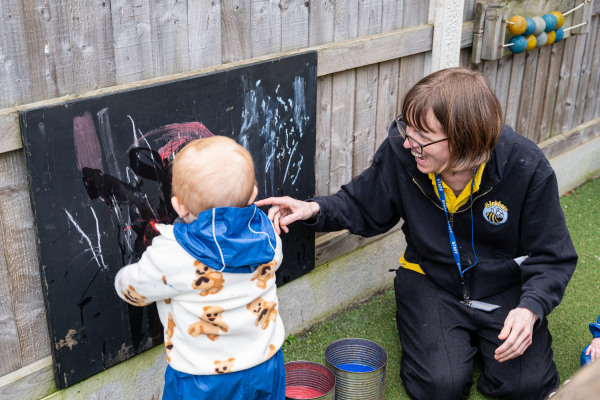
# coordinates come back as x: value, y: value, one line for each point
x: 585, y: 78
x: 91, y: 43
x: 321, y: 17
x: 294, y: 24
x: 235, y: 38
x: 415, y: 13
x: 490, y: 70
x: 133, y: 40
x: 502, y: 83
x: 392, y: 15
x: 465, y: 57
x: 369, y: 17
x: 265, y: 17
x: 592, y: 103
x: 365, y: 114
x: 345, y: 26
x: 323, y: 136
x: 526, y: 100
x: 15, y: 71
x: 556, y: 55
x: 204, y: 30
x: 18, y: 233
x: 342, y: 129
x: 51, y: 59
x: 576, y: 65
x: 411, y: 71
x: 387, y: 90
x: 539, y: 94
x: 365, y: 117
x: 468, y: 10
x: 563, y: 86
x: 104, y: 43
x: 169, y: 27
x: 387, y: 99
x: 320, y: 22
x: 516, y: 82
x: 10, y: 360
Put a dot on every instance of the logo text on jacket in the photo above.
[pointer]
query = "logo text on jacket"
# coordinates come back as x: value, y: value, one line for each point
x: 495, y: 212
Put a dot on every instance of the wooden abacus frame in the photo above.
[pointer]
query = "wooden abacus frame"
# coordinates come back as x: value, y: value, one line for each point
x: 490, y: 33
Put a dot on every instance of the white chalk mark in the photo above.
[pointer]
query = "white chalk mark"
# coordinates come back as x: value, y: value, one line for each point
x: 150, y: 205
x: 99, y: 237
x: 135, y: 138
x: 299, y: 168
x: 87, y: 239
x: 128, y: 170
x: 127, y: 232
x: 300, y: 104
x: 106, y: 137
x: 289, y: 160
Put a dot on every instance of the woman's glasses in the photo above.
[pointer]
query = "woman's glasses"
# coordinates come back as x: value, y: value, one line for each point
x: 416, y: 146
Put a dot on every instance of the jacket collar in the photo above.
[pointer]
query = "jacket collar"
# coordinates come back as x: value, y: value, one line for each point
x: 229, y: 239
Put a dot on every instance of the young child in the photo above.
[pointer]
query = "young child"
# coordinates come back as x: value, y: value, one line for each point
x: 592, y: 350
x: 213, y: 280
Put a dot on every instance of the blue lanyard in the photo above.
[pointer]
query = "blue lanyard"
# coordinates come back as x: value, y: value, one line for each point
x: 453, y: 243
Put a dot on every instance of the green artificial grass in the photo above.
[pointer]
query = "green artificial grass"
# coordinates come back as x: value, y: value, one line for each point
x: 375, y: 319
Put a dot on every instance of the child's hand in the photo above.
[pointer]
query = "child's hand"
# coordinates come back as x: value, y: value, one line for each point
x: 594, y: 350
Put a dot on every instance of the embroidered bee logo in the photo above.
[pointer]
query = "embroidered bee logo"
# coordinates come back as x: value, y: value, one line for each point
x: 495, y: 212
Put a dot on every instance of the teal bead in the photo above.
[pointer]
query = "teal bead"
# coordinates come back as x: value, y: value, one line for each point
x: 530, y: 27
x: 551, y: 22
x: 560, y: 34
x: 519, y: 44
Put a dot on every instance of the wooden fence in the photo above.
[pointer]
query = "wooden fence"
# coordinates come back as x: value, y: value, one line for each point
x: 370, y: 53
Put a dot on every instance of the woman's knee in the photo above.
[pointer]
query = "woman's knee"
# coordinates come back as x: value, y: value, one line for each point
x: 438, y: 385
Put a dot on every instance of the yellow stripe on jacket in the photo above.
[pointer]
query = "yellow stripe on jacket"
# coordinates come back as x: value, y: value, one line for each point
x: 453, y: 203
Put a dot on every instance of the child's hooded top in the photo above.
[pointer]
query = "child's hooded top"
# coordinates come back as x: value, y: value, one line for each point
x: 213, y: 282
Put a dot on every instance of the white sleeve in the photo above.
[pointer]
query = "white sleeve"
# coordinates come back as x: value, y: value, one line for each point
x: 144, y: 282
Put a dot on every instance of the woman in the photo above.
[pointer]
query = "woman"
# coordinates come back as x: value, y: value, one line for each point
x: 488, y: 254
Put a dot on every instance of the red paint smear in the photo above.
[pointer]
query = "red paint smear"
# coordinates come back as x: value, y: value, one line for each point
x: 86, y: 142
x: 171, y: 147
x: 172, y: 136
x: 302, y: 392
x: 150, y: 232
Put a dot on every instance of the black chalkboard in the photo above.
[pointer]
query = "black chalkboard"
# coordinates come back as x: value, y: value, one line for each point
x: 99, y: 170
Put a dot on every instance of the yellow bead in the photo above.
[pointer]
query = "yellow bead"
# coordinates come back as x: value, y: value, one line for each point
x: 517, y: 25
x: 551, y: 38
x: 559, y: 18
x: 531, y: 42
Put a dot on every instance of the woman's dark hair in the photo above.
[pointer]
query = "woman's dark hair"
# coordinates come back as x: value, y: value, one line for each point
x: 466, y: 108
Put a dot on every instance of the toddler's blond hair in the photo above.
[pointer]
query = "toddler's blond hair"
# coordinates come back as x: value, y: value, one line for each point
x: 213, y: 172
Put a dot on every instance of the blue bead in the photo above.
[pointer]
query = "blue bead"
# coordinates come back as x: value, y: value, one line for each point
x: 519, y: 44
x: 530, y: 27
x: 560, y: 34
x: 551, y: 22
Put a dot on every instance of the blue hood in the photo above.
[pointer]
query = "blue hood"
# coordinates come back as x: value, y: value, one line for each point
x: 229, y: 239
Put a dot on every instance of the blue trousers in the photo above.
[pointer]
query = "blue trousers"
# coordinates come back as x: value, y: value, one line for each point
x: 265, y: 381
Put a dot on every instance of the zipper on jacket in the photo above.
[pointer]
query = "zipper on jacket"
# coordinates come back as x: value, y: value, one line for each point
x: 465, y: 293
